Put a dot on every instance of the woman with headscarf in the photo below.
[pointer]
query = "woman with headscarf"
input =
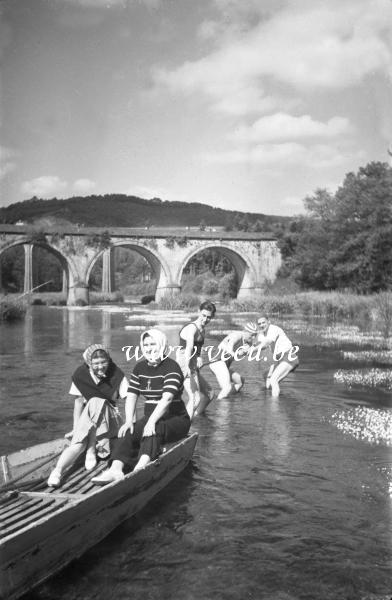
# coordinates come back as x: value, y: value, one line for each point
x: 159, y: 379
x: 97, y: 384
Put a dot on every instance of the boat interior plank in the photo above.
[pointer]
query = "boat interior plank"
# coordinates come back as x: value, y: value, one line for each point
x: 17, y: 508
x: 47, y: 507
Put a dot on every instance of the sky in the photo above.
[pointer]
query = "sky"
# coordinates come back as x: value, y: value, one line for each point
x: 247, y: 105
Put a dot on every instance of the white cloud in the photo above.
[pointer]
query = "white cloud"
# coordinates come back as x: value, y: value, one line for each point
x: 96, y: 3
x: 112, y: 3
x: 317, y: 156
x: 83, y: 186
x: 292, y: 205
x: 308, y: 46
x: 281, y: 127
x: 46, y: 186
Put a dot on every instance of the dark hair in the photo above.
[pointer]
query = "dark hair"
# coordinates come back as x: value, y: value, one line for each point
x: 263, y: 316
x: 99, y: 353
x: 207, y: 305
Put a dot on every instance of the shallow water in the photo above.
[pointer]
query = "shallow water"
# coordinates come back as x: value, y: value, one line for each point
x: 280, y: 501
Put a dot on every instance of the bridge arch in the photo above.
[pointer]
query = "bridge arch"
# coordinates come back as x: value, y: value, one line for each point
x: 255, y: 256
x: 28, y: 244
x: 157, y: 263
x: 245, y: 270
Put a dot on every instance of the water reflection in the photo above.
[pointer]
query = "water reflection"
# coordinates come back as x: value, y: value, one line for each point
x: 28, y: 333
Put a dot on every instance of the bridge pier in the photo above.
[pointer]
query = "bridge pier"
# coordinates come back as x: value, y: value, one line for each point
x: 78, y: 295
x: 166, y: 290
x: 108, y: 269
x: 251, y: 292
x: 28, y: 268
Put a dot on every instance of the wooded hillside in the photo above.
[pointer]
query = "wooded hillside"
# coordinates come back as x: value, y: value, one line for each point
x: 116, y: 210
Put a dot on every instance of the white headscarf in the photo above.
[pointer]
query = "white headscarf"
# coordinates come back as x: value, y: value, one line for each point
x: 159, y: 338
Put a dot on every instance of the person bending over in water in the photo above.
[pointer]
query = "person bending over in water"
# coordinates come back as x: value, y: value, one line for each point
x: 97, y: 385
x: 189, y: 358
x: 159, y: 379
x: 285, y: 354
x: 233, y: 347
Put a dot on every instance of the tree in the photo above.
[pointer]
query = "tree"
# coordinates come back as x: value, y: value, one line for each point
x: 345, y: 240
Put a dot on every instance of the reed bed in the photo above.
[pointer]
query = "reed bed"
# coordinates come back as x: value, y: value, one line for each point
x: 369, y: 356
x: 335, y: 305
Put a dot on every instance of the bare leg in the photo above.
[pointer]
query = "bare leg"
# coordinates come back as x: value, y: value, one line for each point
x: 237, y: 380
x: 223, y: 378
x: 91, y: 457
x: 67, y: 458
x: 206, y: 396
x: 269, y: 375
x: 78, y: 409
x: 192, y: 389
x: 279, y: 373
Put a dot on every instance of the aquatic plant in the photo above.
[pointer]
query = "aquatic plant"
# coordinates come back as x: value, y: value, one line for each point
x: 380, y: 356
x: 368, y: 424
x: 365, y: 377
x: 101, y: 297
x: 338, y: 335
x: 178, y: 301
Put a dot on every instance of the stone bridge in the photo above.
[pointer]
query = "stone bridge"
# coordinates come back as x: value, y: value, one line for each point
x: 255, y: 256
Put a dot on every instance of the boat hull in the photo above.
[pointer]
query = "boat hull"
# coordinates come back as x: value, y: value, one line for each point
x: 68, y: 524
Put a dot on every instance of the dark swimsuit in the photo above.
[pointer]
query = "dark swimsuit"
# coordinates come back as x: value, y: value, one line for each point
x: 198, y: 340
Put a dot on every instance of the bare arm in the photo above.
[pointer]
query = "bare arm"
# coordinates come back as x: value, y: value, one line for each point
x: 130, y: 407
x: 188, y: 334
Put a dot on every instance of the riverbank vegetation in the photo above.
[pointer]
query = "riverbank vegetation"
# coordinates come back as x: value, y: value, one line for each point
x: 344, y: 241
x: 12, y: 309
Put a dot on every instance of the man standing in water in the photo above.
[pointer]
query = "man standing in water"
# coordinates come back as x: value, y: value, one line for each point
x: 189, y: 358
x: 285, y: 354
x: 233, y: 347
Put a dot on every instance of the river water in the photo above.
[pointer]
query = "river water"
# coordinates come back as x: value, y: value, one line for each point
x: 278, y: 503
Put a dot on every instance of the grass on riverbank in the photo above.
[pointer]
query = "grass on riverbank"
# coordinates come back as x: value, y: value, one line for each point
x: 331, y: 305
x: 335, y: 305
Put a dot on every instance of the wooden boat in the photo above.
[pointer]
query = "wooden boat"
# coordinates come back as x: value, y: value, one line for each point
x: 42, y: 529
